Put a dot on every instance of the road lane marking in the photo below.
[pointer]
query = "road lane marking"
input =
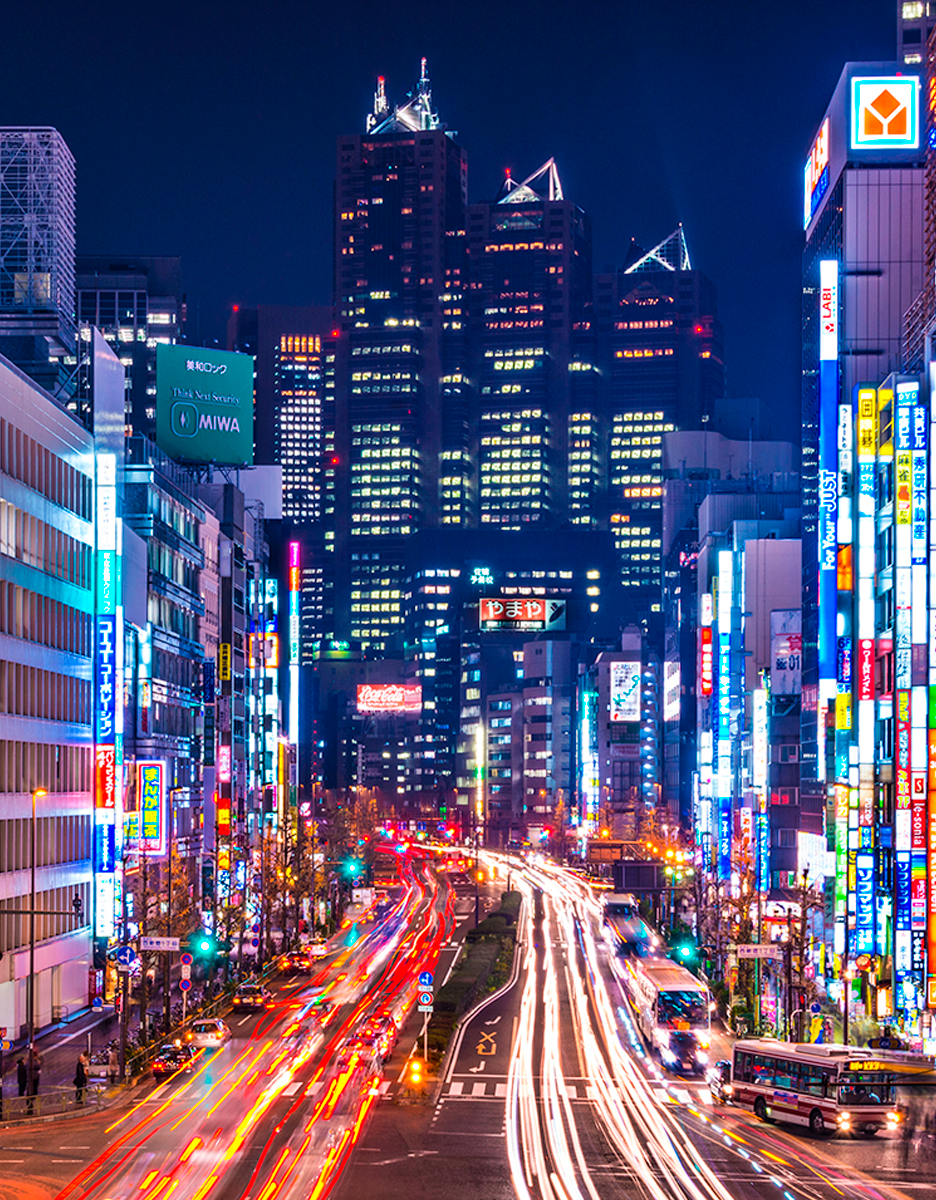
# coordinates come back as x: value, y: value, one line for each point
x: 455, y: 1088
x: 291, y: 1088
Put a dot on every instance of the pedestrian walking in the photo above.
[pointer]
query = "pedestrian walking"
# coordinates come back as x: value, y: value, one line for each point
x: 113, y: 1066
x: 22, y: 1076
x: 81, y: 1078
x: 33, y: 1068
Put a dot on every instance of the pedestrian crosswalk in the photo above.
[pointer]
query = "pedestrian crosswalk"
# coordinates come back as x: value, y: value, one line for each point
x: 579, y: 1090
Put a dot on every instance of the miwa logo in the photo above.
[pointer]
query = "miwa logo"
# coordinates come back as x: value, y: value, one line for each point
x: 884, y: 113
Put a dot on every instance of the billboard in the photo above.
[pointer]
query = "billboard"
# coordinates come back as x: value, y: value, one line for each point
x: 205, y: 404
x: 786, y: 652
x: 884, y: 112
x: 625, y: 691
x: 389, y: 698
x: 151, y: 790
x: 522, y: 612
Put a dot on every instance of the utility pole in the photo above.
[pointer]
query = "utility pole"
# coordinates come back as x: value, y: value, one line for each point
x: 788, y: 1006
x: 31, y: 989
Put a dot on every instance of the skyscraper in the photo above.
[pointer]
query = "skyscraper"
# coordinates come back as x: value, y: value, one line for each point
x: 136, y: 303
x: 399, y: 216
x: 37, y: 251
x: 659, y: 349
x: 529, y: 282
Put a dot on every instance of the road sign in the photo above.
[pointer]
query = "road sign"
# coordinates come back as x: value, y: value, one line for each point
x: 767, y: 950
x: 5, y: 1045
x: 424, y: 999
x: 186, y: 971
x: 125, y: 955
x: 186, y: 959
x: 97, y: 1002
x: 815, y: 1009
x: 425, y: 979
x: 185, y: 984
x: 425, y: 1008
x: 159, y: 943
x: 255, y: 942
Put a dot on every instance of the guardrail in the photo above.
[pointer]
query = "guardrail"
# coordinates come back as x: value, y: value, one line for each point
x: 51, y: 1103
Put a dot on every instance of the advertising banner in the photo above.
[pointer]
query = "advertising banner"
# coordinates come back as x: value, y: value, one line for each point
x: 522, y: 612
x: 389, y: 698
x: 205, y: 404
x: 864, y: 904
x: 151, y: 777
x: 624, y: 696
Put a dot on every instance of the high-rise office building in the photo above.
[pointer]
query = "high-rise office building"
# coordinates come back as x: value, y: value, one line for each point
x: 400, y: 406
x: 46, y: 606
x: 916, y: 20
x: 37, y: 252
x: 530, y: 282
x: 862, y: 271
x: 660, y: 352
x: 137, y: 303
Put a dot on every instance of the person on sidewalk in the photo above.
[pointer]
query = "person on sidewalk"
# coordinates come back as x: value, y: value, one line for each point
x: 113, y: 1066
x: 22, y: 1076
x: 33, y: 1067
x: 81, y: 1077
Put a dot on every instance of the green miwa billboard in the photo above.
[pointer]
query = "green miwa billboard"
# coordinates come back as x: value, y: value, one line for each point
x: 205, y: 404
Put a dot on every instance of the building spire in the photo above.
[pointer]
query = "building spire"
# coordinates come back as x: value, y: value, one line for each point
x: 416, y: 114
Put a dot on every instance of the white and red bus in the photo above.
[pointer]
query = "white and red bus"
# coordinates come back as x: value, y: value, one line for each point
x: 828, y: 1088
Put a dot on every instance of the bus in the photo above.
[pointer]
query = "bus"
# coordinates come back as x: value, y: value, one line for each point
x: 626, y: 932
x: 673, y: 1012
x: 829, y: 1088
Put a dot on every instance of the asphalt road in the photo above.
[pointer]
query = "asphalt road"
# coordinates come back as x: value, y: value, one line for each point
x: 275, y: 1112
x: 549, y: 1094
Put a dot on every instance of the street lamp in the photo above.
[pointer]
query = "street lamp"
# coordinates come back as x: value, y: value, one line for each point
x: 38, y: 793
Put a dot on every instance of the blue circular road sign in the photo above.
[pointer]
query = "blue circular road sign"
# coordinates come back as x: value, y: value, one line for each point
x: 97, y: 1002
x: 185, y: 984
x: 425, y: 979
x: 125, y: 955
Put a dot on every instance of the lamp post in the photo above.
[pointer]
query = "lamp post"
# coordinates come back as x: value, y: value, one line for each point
x: 38, y: 793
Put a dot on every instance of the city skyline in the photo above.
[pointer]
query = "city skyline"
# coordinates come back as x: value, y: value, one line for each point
x: 268, y: 186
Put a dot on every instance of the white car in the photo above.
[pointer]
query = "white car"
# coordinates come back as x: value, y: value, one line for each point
x: 208, y: 1033
x: 318, y: 948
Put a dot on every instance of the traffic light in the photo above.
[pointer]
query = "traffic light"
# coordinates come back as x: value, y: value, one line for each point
x: 203, y: 946
x: 351, y: 867
x: 414, y: 1073
x: 685, y: 951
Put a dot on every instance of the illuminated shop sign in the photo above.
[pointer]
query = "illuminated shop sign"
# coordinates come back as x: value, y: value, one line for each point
x: 106, y: 707
x: 151, y: 787
x: 105, y: 777
x: 706, y: 661
x: 817, y: 173
x: 828, y: 310
x: 625, y: 691
x: 104, y: 848
x: 885, y: 112
x: 864, y: 898
x: 525, y: 612
x: 224, y: 662
x: 866, y: 669
x: 224, y: 764
x: 389, y: 698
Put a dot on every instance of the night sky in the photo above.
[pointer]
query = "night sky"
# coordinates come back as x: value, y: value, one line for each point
x: 208, y: 130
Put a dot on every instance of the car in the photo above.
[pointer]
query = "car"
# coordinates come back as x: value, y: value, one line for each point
x: 296, y: 962
x: 385, y: 1032
x: 174, y: 1057
x: 209, y: 1032
x: 317, y: 948
x: 719, y: 1082
x: 251, y: 996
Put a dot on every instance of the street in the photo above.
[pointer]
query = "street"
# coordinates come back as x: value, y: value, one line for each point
x: 547, y: 1094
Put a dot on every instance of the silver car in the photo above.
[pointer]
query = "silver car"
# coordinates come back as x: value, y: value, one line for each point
x: 208, y: 1033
